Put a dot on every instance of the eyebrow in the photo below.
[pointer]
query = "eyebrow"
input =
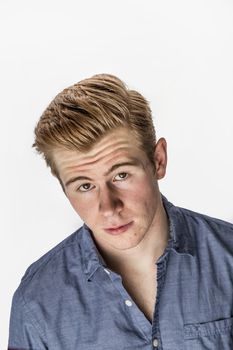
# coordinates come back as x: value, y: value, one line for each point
x: 133, y: 162
x: 76, y: 178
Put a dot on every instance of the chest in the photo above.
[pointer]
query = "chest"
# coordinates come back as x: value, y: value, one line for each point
x: 143, y: 289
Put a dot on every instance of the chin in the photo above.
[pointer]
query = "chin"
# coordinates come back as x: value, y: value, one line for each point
x: 127, y: 245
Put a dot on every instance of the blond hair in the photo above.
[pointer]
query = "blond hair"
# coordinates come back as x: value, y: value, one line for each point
x: 80, y: 115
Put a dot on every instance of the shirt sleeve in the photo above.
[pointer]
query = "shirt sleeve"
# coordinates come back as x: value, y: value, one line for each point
x: 24, y: 333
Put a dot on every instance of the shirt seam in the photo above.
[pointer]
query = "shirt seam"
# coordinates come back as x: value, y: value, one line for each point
x: 34, y: 322
x: 208, y: 218
x: 31, y: 274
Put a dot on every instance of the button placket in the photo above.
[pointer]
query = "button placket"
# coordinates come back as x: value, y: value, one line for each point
x: 128, y: 302
x: 138, y: 319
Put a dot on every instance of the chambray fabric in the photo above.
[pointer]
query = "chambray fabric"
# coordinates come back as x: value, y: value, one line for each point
x: 70, y: 300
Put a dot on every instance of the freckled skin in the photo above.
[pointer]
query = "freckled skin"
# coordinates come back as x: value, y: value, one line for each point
x: 128, y: 194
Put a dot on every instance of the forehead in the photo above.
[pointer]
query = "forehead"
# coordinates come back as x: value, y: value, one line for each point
x: 120, y: 143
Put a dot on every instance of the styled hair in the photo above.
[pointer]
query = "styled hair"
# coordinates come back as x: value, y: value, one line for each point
x: 80, y: 115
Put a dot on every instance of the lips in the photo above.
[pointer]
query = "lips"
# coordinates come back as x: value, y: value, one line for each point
x: 118, y: 229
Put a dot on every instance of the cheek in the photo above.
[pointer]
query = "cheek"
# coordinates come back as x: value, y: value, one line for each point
x: 145, y: 198
x: 82, y: 208
x: 142, y: 192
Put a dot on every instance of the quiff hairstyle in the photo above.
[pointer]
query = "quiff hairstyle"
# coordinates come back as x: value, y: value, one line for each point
x: 80, y: 115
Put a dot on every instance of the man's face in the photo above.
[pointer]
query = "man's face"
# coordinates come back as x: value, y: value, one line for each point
x: 113, y: 188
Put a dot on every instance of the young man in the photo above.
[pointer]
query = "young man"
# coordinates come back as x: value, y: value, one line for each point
x: 140, y: 273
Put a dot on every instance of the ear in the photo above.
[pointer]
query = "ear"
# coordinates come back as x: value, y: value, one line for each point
x: 160, y: 158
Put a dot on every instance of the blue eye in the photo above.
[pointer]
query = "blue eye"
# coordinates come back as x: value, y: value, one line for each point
x: 121, y: 176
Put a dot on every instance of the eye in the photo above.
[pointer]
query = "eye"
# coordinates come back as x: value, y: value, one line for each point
x: 121, y: 176
x: 85, y: 187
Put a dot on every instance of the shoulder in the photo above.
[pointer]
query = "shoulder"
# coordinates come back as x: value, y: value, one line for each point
x: 199, y: 232
x: 41, y: 291
x: 49, y: 269
x: 207, y: 232
x: 205, y: 222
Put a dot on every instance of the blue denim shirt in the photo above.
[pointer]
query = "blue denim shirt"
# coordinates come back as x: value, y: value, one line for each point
x: 70, y: 300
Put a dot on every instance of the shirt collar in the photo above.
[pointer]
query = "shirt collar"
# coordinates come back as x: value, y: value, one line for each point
x: 90, y: 255
x: 180, y: 239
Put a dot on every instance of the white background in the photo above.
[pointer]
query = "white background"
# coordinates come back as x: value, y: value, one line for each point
x: 179, y: 54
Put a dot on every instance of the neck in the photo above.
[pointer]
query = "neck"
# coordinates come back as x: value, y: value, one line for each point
x: 146, y: 253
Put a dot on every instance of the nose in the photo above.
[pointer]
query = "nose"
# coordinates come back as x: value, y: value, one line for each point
x: 109, y: 202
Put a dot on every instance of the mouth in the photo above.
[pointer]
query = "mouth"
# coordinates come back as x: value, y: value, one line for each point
x: 119, y: 229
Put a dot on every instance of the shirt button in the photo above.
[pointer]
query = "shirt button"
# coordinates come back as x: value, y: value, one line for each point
x: 155, y: 343
x: 128, y: 303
